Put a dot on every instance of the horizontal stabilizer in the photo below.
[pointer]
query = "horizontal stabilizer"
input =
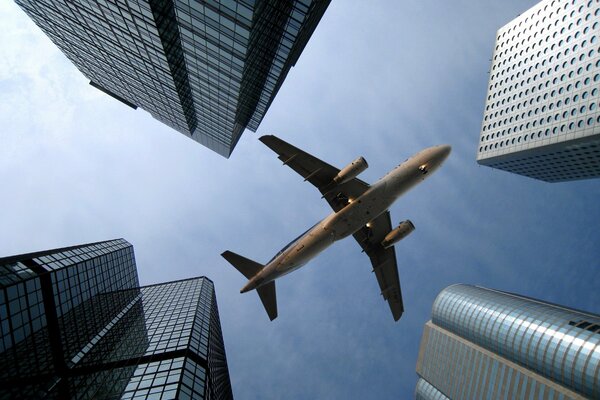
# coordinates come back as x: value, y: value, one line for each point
x: 269, y: 299
x: 247, y: 267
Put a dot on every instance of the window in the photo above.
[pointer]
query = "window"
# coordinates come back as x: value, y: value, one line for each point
x: 587, y: 325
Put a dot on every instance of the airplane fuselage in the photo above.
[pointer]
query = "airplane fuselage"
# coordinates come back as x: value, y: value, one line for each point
x: 351, y: 218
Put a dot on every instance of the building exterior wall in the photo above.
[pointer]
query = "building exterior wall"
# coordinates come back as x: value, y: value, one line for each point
x: 542, y: 111
x: 482, y: 343
x: 426, y: 391
x: 208, y: 69
x: 74, y: 323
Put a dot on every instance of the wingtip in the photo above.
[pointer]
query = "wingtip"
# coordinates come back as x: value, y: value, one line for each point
x: 265, y: 138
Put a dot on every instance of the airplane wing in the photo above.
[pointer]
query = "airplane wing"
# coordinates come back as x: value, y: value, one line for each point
x: 317, y: 172
x: 383, y: 260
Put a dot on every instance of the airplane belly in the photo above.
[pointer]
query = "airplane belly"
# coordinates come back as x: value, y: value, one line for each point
x: 307, y: 248
x: 362, y: 210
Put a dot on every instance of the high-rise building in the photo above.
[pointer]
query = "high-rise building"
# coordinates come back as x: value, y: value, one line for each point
x: 208, y: 69
x: 542, y: 111
x: 487, y: 344
x: 74, y: 323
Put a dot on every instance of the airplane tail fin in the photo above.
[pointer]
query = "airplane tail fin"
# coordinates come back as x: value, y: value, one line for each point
x: 249, y: 269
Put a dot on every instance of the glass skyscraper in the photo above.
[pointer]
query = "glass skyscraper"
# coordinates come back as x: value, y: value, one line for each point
x: 208, y: 69
x: 487, y: 344
x: 74, y: 323
x: 542, y: 110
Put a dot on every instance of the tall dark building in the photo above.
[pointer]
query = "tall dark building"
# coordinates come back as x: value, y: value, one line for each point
x: 486, y: 344
x: 74, y: 323
x: 208, y: 69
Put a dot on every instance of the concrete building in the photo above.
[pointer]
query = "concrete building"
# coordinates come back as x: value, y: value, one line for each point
x: 208, y: 69
x: 74, y: 323
x: 486, y: 344
x: 542, y: 110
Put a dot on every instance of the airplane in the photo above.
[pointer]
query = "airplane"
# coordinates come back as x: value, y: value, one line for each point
x: 359, y: 209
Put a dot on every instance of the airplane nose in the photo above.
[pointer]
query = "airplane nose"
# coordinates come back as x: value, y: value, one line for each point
x: 442, y: 152
x: 445, y: 151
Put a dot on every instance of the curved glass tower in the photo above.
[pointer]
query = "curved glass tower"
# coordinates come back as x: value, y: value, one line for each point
x: 483, y: 343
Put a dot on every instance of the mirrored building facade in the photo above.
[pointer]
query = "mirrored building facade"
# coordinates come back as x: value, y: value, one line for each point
x: 487, y: 344
x: 542, y: 110
x: 75, y: 324
x: 208, y: 69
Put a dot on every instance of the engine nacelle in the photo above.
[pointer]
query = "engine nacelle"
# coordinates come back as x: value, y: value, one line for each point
x: 395, y: 235
x: 351, y: 171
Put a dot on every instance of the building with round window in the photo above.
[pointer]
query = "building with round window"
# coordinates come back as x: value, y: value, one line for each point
x: 542, y: 110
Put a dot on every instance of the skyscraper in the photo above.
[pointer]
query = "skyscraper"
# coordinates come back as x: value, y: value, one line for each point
x: 74, y: 323
x: 208, y: 69
x: 542, y: 111
x: 487, y: 344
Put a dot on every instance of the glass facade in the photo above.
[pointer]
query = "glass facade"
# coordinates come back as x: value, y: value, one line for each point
x: 425, y: 391
x: 208, y: 69
x: 482, y: 343
x: 542, y: 111
x: 75, y: 324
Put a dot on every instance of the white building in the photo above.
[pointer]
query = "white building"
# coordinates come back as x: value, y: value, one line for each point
x: 542, y: 111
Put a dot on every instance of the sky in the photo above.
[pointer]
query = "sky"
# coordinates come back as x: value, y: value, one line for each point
x: 381, y: 80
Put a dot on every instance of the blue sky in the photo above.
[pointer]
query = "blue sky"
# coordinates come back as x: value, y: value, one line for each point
x: 377, y: 79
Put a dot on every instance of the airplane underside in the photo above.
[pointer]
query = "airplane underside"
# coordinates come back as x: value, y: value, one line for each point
x: 359, y: 210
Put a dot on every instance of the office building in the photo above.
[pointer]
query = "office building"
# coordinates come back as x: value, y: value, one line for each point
x: 542, y: 111
x: 487, y: 344
x: 208, y: 69
x: 74, y: 323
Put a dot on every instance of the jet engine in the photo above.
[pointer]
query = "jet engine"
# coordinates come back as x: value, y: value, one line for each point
x: 351, y: 171
x: 395, y: 235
